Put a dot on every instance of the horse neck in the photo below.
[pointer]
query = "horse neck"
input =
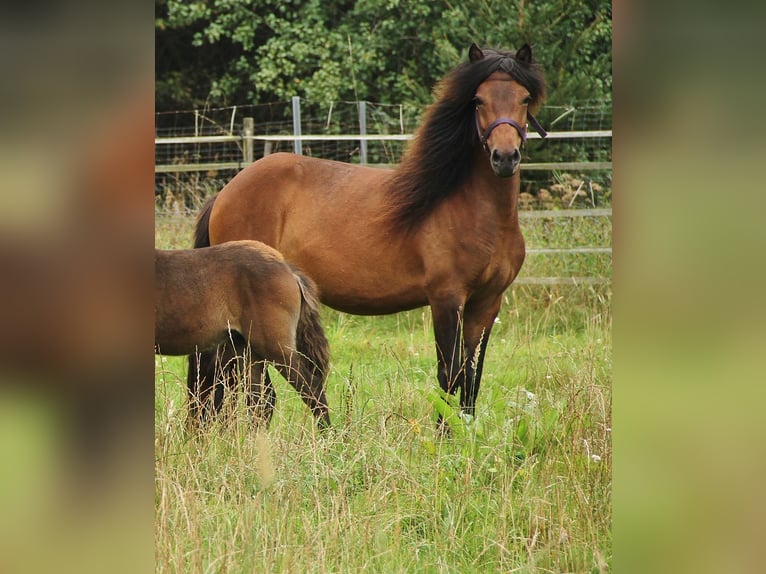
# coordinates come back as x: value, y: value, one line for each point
x: 500, y: 194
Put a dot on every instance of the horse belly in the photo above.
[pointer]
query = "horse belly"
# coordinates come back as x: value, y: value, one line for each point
x: 188, y: 330
x: 373, y: 302
x: 365, y: 287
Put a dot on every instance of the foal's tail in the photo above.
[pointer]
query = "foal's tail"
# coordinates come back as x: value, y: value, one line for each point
x: 202, y: 231
x: 312, y: 345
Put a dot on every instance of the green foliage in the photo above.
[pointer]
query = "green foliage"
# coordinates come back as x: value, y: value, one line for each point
x: 238, y: 51
x: 447, y: 408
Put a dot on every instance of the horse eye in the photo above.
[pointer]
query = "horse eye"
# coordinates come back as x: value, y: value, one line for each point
x: 527, y: 100
x: 477, y: 101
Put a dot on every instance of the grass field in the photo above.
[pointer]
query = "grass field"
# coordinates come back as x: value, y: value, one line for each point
x: 525, y: 487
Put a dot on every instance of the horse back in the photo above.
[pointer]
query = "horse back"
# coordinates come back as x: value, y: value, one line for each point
x: 201, y: 294
x: 314, y: 194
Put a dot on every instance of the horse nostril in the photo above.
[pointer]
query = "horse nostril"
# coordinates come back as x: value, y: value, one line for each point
x: 505, y: 163
x: 499, y: 157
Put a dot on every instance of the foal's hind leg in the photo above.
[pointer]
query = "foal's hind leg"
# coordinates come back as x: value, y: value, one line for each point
x: 261, y: 396
x: 199, y: 383
x: 210, y: 372
x: 309, y: 382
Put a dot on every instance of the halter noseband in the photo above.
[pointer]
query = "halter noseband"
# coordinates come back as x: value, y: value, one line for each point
x: 483, y: 137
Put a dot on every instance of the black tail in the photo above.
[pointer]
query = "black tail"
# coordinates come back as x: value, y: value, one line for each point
x: 202, y: 231
x: 313, y: 348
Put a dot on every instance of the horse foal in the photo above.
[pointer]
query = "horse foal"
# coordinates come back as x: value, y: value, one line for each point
x: 244, y: 304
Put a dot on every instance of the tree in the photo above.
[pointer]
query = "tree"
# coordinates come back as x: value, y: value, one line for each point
x: 237, y: 51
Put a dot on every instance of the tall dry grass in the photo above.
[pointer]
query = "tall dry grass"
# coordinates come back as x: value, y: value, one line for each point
x: 526, y: 487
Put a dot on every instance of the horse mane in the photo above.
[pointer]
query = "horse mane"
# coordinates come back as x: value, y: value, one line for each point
x: 439, y: 159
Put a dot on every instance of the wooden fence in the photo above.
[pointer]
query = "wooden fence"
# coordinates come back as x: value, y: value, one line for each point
x: 246, y: 137
x: 549, y: 251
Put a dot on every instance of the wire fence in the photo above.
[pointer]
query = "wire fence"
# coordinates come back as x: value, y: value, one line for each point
x: 567, y: 176
x: 336, y: 118
x: 208, y: 146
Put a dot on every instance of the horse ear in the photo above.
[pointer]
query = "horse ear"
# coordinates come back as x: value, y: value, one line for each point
x: 524, y: 54
x: 475, y: 53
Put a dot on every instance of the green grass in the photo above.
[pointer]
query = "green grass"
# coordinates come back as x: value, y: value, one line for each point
x: 525, y: 487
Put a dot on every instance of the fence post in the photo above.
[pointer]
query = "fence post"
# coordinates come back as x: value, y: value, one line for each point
x: 248, y: 129
x: 298, y: 143
x: 363, y: 131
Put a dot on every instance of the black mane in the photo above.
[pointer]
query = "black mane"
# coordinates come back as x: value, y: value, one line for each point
x: 440, y: 157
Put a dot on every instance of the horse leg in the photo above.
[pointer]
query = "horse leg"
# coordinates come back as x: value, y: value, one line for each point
x: 210, y: 372
x: 309, y: 382
x: 261, y: 396
x: 200, y: 382
x: 479, y: 319
x: 448, y: 327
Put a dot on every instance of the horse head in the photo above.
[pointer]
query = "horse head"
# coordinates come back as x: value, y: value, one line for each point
x: 503, y: 103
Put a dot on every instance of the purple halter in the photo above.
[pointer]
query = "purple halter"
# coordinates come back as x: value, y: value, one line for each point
x: 483, y: 137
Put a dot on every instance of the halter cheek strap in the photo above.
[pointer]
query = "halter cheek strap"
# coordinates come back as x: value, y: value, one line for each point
x: 483, y: 137
x: 536, y: 125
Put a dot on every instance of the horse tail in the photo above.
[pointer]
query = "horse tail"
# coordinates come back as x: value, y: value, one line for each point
x: 311, y: 342
x: 202, y: 229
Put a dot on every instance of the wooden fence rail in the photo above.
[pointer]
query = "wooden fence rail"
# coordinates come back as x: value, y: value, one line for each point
x: 246, y: 137
x: 244, y: 141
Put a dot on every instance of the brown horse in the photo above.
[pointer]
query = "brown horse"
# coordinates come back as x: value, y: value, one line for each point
x: 244, y: 300
x: 441, y: 229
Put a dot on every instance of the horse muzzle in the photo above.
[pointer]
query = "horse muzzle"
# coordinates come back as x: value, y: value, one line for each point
x: 505, y: 163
